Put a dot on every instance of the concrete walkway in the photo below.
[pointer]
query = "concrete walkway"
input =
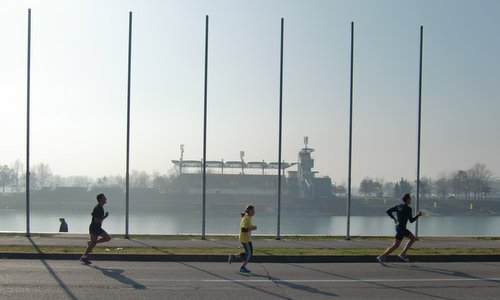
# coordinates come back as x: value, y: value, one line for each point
x: 75, y: 240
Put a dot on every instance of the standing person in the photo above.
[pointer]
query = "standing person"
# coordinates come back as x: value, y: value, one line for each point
x: 95, y: 228
x: 64, y: 226
x: 404, y: 214
x: 245, y: 238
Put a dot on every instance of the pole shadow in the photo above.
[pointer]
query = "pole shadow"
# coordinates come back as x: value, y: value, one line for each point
x: 379, y: 284
x: 61, y: 283
x: 441, y: 271
x: 236, y: 281
x: 150, y: 246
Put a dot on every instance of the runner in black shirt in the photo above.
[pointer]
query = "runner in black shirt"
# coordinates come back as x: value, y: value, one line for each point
x: 404, y: 214
x: 95, y: 228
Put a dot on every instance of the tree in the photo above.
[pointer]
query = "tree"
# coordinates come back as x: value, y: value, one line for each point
x: 17, y: 168
x: 339, y: 190
x: 160, y: 182
x: 441, y: 186
x: 33, y: 177
x: 117, y: 180
x: 102, y: 181
x: 82, y: 181
x: 139, y: 179
x: 425, y: 187
x: 480, y: 179
x: 378, y: 185
x: 388, y: 188
x: 57, y: 180
x: 6, y: 176
x: 43, y: 173
x: 402, y: 187
x: 366, y: 186
x: 459, y: 182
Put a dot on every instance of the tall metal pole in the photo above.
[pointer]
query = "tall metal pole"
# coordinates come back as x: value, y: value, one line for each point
x: 280, y: 132
x: 348, y: 235
x: 28, y: 234
x: 127, y: 177
x: 419, y: 125
x: 205, y: 132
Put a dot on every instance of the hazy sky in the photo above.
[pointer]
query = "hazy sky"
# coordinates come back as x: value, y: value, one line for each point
x: 79, y: 81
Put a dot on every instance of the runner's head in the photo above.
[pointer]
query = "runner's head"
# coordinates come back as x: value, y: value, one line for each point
x: 101, y: 198
x: 249, y: 209
x: 406, y: 198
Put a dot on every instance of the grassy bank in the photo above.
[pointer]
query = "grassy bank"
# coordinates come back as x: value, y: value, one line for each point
x: 224, y: 251
x: 38, y: 248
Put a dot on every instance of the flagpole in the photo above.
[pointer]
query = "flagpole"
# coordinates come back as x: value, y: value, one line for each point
x: 28, y: 234
x: 348, y: 235
x: 280, y: 132
x: 419, y: 125
x: 127, y: 176
x: 205, y: 133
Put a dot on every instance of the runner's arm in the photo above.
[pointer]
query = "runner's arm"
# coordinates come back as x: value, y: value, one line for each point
x: 390, y: 211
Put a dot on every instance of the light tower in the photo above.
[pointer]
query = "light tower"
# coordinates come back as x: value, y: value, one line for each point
x: 182, y: 157
x: 242, y: 155
x: 305, y: 173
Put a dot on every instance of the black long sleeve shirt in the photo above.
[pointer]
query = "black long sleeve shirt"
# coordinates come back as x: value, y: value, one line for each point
x: 403, y: 213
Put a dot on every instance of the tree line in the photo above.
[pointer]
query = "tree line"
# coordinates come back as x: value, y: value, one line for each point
x: 473, y: 183
x: 13, y: 178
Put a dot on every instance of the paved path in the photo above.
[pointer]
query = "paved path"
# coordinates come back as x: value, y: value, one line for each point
x: 55, y: 279
x: 334, y: 243
x: 72, y: 240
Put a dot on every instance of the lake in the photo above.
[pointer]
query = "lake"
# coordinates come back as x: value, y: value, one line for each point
x: 12, y: 220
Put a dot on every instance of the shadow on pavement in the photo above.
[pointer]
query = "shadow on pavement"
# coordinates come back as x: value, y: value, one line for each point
x: 52, y: 272
x: 118, y: 276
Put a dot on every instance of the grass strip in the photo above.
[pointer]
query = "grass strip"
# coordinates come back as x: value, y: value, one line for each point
x: 235, y: 237
x: 225, y: 251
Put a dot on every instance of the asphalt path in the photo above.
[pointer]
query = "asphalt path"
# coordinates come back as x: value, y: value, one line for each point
x: 63, y: 279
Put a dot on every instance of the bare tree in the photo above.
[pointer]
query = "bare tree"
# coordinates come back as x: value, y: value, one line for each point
x: 17, y: 168
x: 441, y: 186
x: 425, y: 186
x: 43, y: 173
x: 366, y: 186
x: 33, y: 176
x: 480, y: 179
x: 378, y: 187
x: 160, y: 182
x: 57, y: 180
x: 460, y: 184
x: 139, y: 179
x: 117, y: 180
x: 6, y: 176
x: 402, y: 187
x: 388, y: 188
x: 339, y: 189
x: 102, y: 181
x: 81, y: 181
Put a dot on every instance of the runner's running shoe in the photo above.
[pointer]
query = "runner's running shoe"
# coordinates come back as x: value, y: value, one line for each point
x: 85, y: 260
x: 404, y: 257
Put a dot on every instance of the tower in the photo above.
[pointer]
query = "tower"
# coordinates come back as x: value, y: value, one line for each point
x: 305, y: 173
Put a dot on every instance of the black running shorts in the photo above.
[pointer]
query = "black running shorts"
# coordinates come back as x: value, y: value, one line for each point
x: 95, y: 229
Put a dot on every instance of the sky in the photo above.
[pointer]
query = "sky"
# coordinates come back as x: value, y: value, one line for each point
x: 78, y: 90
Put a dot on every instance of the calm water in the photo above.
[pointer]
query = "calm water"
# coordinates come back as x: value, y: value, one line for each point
x: 190, y: 223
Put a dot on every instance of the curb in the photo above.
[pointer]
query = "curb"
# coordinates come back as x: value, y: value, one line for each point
x: 255, y: 258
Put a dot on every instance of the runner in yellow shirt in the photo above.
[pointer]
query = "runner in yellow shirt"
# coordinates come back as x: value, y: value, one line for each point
x: 245, y: 238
